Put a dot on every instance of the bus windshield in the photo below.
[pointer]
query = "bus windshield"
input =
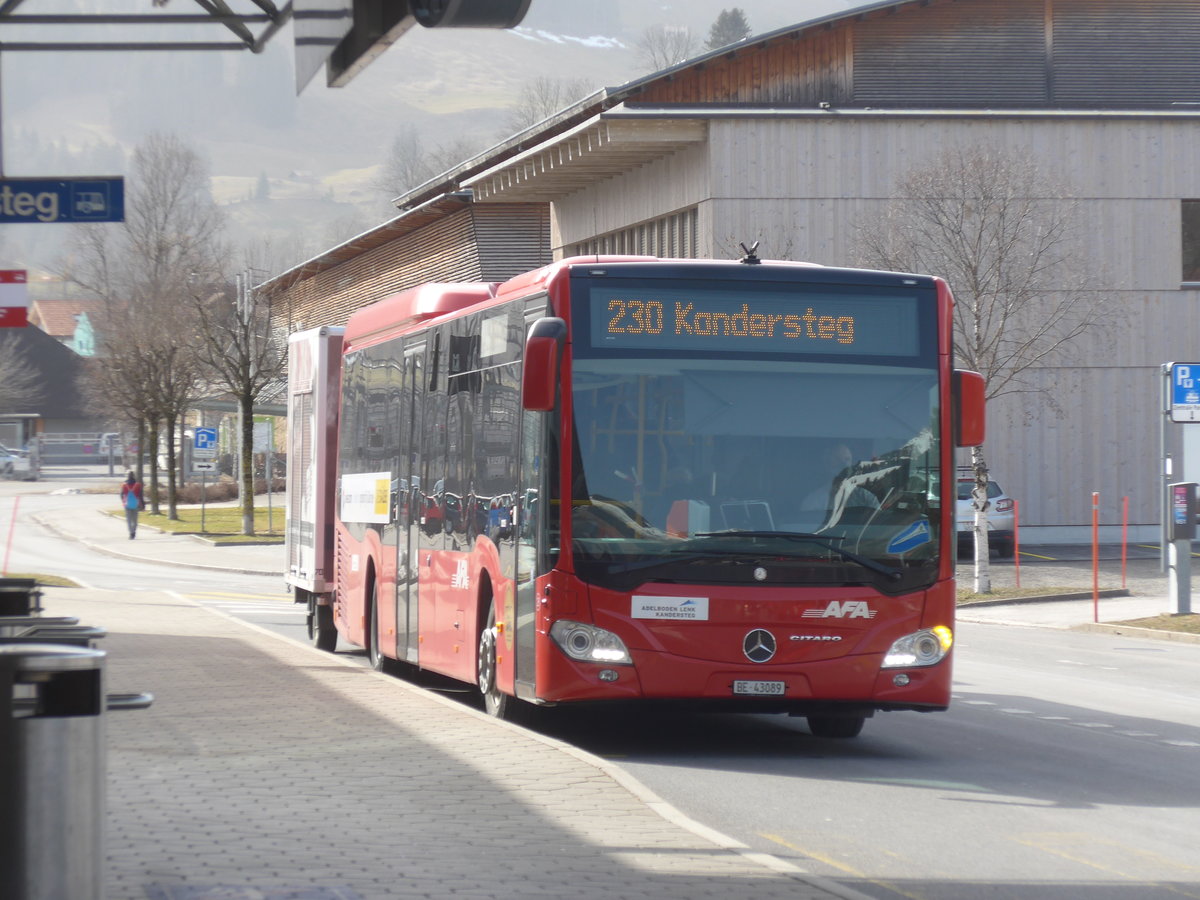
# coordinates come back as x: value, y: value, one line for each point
x: 696, y: 464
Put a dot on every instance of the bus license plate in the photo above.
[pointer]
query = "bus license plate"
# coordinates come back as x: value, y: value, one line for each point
x: 759, y: 688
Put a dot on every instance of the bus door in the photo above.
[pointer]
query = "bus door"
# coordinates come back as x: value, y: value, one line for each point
x: 532, y: 508
x: 408, y: 501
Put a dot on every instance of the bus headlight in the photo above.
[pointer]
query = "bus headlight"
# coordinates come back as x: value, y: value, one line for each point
x: 922, y: 648
x: 587, y: 643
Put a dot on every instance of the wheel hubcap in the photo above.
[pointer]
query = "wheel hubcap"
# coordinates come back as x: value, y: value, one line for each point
x: 487, y: 659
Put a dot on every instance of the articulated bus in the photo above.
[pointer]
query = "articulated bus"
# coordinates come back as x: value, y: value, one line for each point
x: 633, y: 479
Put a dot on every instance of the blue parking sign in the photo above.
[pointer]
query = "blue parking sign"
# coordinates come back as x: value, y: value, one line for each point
x: 1185, y: 392
x: 204, y: 442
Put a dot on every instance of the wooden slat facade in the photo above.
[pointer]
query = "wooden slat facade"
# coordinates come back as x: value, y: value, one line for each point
x: 1118, y: 53
x: 491, y: 243
x: 963, y: 53
x: 804, y: 69
x: 986, y: 54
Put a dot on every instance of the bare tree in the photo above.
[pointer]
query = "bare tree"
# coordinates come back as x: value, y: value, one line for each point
x: 170, y: 239
x: 730, y: 27
x: 241, y: 346
x: 410, y: 163
x: 541, y: 98
x: 20, y: 384
x: 120, y: 378
x: 663, y: 46
x: 1006, y: 237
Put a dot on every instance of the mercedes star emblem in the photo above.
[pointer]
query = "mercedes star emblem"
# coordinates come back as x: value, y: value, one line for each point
x: 759, y: 645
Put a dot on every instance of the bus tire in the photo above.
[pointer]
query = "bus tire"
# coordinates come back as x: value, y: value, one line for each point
x: 321, y: 630
x: 835, y: 726
x: 374, y: 654
x: 495, y: 701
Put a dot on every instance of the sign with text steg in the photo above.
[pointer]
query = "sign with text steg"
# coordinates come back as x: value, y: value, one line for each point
x: 48, y: 200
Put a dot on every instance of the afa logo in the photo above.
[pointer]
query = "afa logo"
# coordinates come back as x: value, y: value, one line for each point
x: 837, y: 609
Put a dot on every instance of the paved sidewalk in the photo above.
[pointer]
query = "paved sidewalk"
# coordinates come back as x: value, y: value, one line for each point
x: 1078, y: 613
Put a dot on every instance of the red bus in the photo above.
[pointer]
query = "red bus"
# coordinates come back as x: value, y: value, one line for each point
x: 633, y: 479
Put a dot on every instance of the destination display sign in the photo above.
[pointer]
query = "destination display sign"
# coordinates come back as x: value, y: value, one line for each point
x: 755, y: 320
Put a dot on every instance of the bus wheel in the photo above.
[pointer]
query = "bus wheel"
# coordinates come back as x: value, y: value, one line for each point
x: 835, y: 726
x: 495, y: 702
x: 321, y: 630
x: 374, y: 655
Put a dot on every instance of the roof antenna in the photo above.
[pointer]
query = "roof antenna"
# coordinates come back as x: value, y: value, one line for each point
x: 751, y: 258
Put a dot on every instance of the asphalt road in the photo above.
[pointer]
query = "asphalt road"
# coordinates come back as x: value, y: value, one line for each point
x: 1068, y: 766
x: 258, y: 599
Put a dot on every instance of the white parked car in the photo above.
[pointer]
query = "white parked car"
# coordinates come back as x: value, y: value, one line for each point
x: 999, y: 516
x: 13, y: 465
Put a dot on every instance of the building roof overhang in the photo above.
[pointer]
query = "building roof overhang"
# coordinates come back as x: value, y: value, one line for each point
x: 602, y: 147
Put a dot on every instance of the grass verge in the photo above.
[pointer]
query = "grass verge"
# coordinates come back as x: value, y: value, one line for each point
x: 44, y: 580
x: 223, y: 524
x: 1189, y: 624
x: 966, y: 595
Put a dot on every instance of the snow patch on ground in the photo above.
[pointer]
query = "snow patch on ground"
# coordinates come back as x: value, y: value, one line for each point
x: 594, y: 42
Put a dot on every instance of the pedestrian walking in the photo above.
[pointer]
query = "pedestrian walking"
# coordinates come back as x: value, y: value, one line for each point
x: 131, y: 500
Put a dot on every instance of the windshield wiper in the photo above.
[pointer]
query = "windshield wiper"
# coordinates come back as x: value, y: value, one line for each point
x: 680, y: 556
x: 824, y: 540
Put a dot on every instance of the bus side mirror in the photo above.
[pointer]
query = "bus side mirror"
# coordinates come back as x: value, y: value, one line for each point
x: 968, y: 397
x: 543, y: 350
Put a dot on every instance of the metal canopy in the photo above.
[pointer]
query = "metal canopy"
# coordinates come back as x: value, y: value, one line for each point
x: 251, y: 23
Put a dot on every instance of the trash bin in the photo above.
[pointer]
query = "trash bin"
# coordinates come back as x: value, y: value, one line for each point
x: 13, y: 626
x: 75, y: 635
x: 52, y: 765
x: 20, y: 597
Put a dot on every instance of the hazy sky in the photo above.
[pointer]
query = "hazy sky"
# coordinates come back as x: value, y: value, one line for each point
x: 232, y: 98
x: 81, y: 113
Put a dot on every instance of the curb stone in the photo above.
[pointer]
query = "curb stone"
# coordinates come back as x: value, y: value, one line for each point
x: 1045, y: 598
x: 1183, y: 637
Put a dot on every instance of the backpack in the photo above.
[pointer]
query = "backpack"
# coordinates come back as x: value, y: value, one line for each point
x: 131, y: 499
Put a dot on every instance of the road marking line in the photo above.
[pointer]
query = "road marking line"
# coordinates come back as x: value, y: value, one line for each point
x: 1110, y: 849
x: 260, y: 610
x: 1039, y: 843
x: 841, y: 867
x: 832, y: 863
x: 277, y: 597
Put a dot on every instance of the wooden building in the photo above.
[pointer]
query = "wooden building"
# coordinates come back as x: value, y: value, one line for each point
x: 798, y: 137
